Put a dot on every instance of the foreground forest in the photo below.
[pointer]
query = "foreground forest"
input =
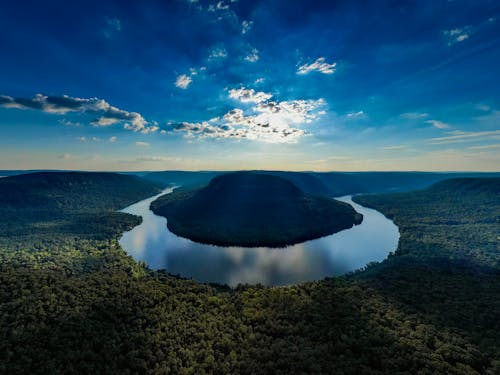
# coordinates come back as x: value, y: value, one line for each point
x: 72, y: 301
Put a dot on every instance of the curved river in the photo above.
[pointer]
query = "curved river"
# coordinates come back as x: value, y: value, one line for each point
x: 332, y: 255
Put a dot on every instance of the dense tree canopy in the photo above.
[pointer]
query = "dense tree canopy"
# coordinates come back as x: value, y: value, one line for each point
x: 253, y: 209
x: 71, y: 301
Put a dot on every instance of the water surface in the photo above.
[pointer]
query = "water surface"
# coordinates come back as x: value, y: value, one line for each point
x: 337, y: 254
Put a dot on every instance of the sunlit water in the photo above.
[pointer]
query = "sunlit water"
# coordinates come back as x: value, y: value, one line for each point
x: 337, y: 254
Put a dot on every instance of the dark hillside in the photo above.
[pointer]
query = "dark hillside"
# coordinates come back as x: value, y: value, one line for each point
x: 253, y: 209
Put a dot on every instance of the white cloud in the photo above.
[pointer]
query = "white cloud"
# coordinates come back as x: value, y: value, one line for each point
x: 356, y: 114
x: 438, y: 124
x: 485, y: 147
x: 320, y: 65
x: 142, y: 144
x: 217, y: 53
x: 62, y: 105
x: 253, y: 56
x: 183, y: 81
x: 398, y: 147
x: 67, y: 122
x: 249, y: 95
x: 112, y: 139
x: 458, y: 35
x: 268, y: 121
x: 414, y: 115
x: 246, y: 26
x: 461, y: 136
x: 259, y: 80
x: 105, y: 121
x: 158, y: 158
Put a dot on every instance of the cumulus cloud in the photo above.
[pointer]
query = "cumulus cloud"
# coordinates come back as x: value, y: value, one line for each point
x: 320, y: 65
x: 61, y: 105
x: 253, y: 56
x: 183, y: 81
x: 112, y: 139
x: 268, y: 121
x: 249, y: 95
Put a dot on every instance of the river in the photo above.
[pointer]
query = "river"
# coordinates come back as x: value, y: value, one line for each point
x: 339, y: 253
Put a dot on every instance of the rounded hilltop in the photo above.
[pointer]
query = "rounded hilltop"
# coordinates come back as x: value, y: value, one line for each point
x: 252, y: 209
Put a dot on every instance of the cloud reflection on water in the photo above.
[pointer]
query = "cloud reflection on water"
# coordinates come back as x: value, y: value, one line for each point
x: 333, y: 255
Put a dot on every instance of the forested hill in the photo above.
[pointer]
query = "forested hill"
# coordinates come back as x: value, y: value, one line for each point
x: 253, y: 209
x: 484, y: 186
x: 72, y: 191
x: 456, y: 218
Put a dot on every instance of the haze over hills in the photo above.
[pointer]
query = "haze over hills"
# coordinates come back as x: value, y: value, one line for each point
x: 331, y: 183
x: 252, y: 209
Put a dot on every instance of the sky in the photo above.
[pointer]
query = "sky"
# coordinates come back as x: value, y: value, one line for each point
x: 235, y: 84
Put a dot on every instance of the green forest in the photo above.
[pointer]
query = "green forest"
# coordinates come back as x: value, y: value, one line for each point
x: 252, y: 209
x: 72, y: 301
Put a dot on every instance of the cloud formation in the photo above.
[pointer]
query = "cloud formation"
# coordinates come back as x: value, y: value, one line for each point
x: 320, y: 65
x: 253, y: 56
x: 268, y: 121
x: 248, y: 95
x: 61, y: 105
x: 457, y: 35
x: 217, y: 53
x: 459, y: 136
x: 183, y: 81
x: 438, y: 124
x: 246, y: 26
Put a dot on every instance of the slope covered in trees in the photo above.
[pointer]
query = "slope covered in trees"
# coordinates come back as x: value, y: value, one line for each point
x: 79, y: 304
x: 253, y: 209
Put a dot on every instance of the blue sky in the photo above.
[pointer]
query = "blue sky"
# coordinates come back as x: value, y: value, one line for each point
x: 225, y: 85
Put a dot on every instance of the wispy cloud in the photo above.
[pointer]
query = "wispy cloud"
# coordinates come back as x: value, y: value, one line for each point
x: 320, y: 65
x: 114, y: 23
x: 61, y: 105
x: 485, y: 147
x: 356, y: 114
x: 414, y: 115
x: 438, y: 124
x: 397, y: 147
x: 142, y: 144
x: 461, y: 136
x: 112, y: 139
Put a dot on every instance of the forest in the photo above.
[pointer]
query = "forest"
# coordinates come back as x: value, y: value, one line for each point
x: 72, y: 301
x: 252, y: 209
